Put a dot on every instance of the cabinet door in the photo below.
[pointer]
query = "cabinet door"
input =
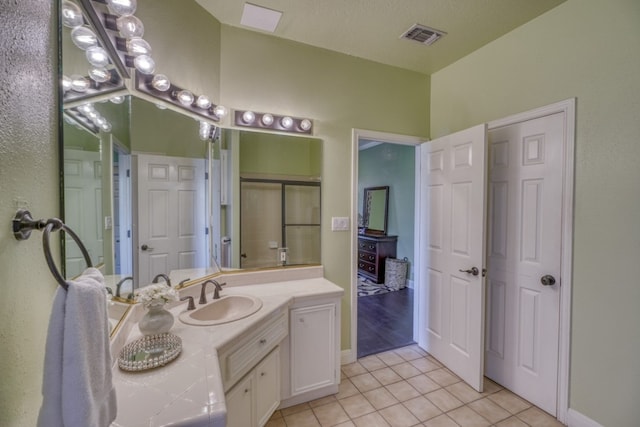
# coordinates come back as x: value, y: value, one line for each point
x: 240, y: 404
x: 267, y: 374
x: 313, y: 348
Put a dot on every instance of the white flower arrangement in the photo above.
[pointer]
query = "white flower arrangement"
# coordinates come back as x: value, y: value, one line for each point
x: 156, y: 293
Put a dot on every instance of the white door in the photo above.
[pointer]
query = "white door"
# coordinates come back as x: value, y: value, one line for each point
x: 83, y: 208
x: 171, y: 215
x: 452, y: 248
x: 525, y: 211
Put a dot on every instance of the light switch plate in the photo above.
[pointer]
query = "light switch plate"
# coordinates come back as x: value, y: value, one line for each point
x: 340, y: 223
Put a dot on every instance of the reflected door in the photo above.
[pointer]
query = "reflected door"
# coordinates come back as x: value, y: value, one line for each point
x: 302, y: 223
x: 171, y: 215
x: 260, y: 223
x: 83, y: 208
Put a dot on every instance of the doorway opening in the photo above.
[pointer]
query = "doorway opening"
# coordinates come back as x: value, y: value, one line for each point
x: 383, y: 297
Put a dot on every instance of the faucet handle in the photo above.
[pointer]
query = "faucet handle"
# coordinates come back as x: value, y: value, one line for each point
x: 191, y: 305
x: 182, y: 282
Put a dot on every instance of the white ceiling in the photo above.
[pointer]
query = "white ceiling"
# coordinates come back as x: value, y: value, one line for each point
x: 371, y: 29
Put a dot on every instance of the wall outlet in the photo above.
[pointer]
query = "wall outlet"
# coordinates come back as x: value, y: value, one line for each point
x: 108, y: 223
x: 282, y: 255
x: 340, y: 223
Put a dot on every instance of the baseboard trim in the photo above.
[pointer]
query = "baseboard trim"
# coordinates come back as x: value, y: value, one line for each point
x: 576, y: 419
x: 347, y: 356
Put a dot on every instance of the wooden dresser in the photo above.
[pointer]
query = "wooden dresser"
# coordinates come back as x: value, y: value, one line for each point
x: 372, y: 252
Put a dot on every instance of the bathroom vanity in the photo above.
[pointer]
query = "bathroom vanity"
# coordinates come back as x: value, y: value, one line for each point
x: 239, y: 373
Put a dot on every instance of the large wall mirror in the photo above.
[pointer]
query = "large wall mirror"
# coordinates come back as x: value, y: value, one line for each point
x: 148, y: 195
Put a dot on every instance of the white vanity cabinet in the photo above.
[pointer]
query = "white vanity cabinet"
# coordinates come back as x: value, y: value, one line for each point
x: 311, y: 352
x: 253, y: 400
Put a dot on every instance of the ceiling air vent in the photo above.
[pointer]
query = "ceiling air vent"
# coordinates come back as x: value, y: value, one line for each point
x: 423, y: 34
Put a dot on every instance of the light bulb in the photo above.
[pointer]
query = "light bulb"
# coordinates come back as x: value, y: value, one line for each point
x: 122, y: 7
x: 138, y: 46
x: 106, y: 127
x: 84, y: 37
x: 100, y: 121
x: 286, y: 122
x: 86, y: 109
x: 185, y: 98
x: 119, y: 99
x: 305, y: 124
x: 205, y: 130
x: 145, y: 64
x: 220, y: 111
x: 248, y: 117
x: 79, y: 83
x: 66, y: 83
x: 203, y: 102
x: 130, y: 26
x: 161, y: 106
x: 97, y: 56
x: 71, y: 14
x: 267, y: 119
x: 160, y: 82
x: 100, y: 75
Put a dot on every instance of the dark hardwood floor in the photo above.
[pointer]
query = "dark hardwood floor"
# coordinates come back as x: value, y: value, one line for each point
x: 385, y: 321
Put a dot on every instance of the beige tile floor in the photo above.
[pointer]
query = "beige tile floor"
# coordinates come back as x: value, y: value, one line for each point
x: 407, y: 387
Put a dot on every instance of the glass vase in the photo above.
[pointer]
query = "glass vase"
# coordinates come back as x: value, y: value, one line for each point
x: 157, y: 320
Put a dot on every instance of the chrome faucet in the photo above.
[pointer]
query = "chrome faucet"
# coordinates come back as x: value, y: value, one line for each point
x: 203, y: 289
x: 162, y: 276
x: 119, y: 284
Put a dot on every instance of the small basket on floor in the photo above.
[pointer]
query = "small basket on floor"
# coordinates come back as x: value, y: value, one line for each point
x: 395, y: 273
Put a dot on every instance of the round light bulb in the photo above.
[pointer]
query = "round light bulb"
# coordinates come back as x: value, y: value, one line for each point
x: 145, y: 64
x: 267, y: 119
x: 286, y: 122
x: 71, y: 14
x: 220, y: 111
x: 305, y: 124
x: 119, y: 99
x: 86, y: 109
x: 122, y: 7
x: 185, y: 98
x: 100, y: 121
x: 161, y: 106
x: 66, y: 83
x: 84, y: 37
x: 248, y: 117
x: 100, y: 75
x: 160, y: 82
x: 97, y: 56
x: 203, y: 102
x: 130, y: 26
x: 138, y: 46
x: 106, y: 127
x: 205, y: 130
x: 79, y: 83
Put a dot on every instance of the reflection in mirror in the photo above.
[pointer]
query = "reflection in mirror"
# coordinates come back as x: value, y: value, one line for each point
x: 276, y: 194
x: 375, y: 210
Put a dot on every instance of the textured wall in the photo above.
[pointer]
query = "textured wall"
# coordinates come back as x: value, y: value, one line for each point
x: 28, y: 177
x: 549, y: 60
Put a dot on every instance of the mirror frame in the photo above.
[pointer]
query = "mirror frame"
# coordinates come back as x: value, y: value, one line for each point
x: 369, y: 194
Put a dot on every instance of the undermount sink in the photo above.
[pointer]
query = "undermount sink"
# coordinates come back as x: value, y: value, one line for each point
x: 227, y: 309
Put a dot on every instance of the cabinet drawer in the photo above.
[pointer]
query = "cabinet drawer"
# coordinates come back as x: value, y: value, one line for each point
x: 366, y: 267
x: 243, y: 356
x: 366, y: 246
x: 366, y: 256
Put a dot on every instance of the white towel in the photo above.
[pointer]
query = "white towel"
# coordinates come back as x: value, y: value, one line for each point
x: 77, y: 387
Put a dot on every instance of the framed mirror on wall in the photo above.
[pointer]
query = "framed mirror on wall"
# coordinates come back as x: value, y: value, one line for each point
x: 375, y: 212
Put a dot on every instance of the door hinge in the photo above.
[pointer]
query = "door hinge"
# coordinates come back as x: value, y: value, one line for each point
x: 129, y: 233
x: 128, y: 173
x: 206, y: 175
x: 206, y: 231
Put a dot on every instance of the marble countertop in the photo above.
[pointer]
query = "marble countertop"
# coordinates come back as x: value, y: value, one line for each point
x: 189, y: 390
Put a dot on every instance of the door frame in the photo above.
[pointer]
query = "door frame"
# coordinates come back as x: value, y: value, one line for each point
x: 568, y: 109
x: 351, y: 355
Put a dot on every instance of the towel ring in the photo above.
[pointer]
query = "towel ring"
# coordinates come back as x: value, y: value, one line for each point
x: 23, y: 224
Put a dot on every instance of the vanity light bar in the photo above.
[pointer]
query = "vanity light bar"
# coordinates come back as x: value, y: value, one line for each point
x: 252, y: 119
x: 143, y: 84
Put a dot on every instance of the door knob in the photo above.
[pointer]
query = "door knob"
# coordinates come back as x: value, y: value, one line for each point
x: 243, y: 255
x: 548, y: 280
x: 473, y: 270
x: 146, y: 248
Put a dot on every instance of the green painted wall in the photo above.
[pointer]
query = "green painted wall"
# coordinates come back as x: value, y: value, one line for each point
x: 339, y: 92
x: 392, y: 165
x: 29, y: 178
x: 273, y: 154
x: 589, y: 49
